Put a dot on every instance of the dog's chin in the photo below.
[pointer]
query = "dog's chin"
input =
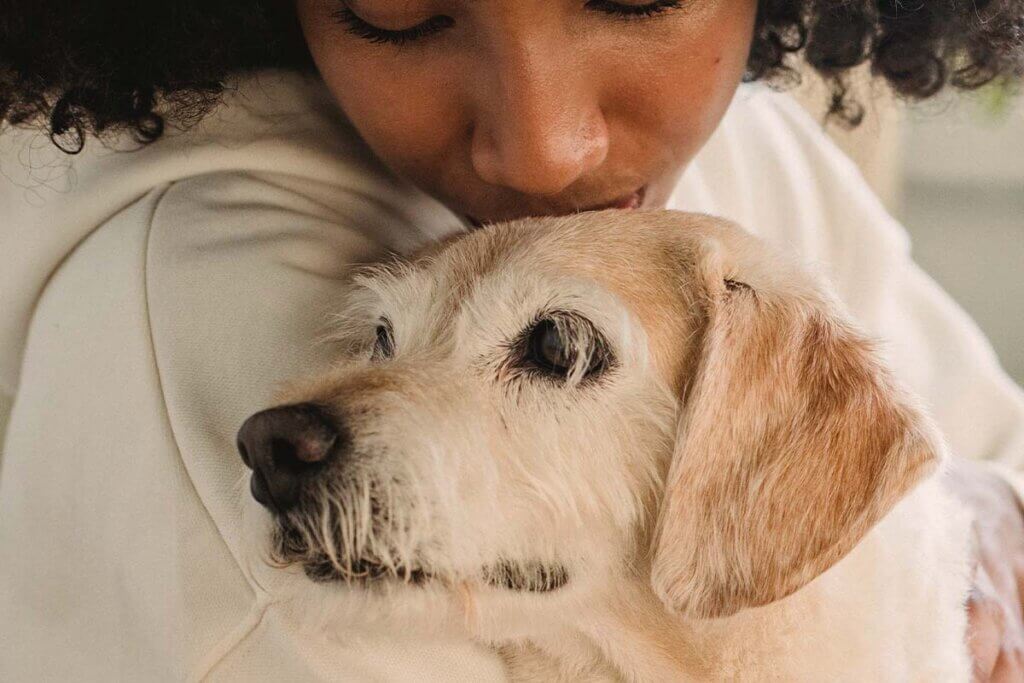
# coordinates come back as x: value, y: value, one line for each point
x: 531, y: 577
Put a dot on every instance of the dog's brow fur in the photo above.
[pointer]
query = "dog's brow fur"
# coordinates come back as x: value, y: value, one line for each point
x: 649, y: 266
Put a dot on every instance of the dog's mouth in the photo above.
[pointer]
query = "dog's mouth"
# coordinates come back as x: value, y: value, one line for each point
x: 532, y: 576
x: 362, y: 571
x: 290, y: 547
x: 323, y: 560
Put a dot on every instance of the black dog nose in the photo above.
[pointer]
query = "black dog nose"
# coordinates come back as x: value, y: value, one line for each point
x: 284, y: 446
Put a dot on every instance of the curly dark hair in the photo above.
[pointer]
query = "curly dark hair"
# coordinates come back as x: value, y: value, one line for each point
x: 82, y: 67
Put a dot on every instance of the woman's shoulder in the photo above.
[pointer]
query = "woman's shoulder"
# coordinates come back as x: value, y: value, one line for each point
x: 276, y: 156
x: 771, y: 167
x: 270, y: 122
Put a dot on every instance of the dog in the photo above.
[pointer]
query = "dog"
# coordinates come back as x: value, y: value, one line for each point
x: 615, y: 445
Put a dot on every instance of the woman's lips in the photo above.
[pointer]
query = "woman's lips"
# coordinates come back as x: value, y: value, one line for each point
x: 633, y: 200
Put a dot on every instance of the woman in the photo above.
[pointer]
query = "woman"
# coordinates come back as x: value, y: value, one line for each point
x: 152, y: 297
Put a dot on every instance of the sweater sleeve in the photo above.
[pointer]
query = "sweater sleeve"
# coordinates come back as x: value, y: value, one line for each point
x: 123, y: 506
x: 151, y: 299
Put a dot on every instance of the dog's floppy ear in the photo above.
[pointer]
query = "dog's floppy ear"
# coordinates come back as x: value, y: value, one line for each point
x: 793, y: 441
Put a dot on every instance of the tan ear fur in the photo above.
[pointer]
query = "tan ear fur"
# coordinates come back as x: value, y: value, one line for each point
x: 793, y: 442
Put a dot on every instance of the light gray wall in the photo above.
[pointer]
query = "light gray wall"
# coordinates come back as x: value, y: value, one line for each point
x: 963, y: 204
x: 5, y: 411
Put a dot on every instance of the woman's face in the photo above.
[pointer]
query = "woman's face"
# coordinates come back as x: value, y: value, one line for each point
x: 511, y: 108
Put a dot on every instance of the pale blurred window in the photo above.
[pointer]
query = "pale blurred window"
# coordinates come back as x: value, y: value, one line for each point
x: 962, y: 199
x: 952, y: 171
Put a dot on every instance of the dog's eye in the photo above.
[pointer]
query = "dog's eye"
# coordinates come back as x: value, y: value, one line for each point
x: 554, y: 349
x: 384, y: 347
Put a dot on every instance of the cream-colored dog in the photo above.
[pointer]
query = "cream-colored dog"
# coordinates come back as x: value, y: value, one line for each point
x: 619, y: 446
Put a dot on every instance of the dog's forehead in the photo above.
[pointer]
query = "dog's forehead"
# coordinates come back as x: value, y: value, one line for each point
x: 637, y: 257
x: 645, y: 259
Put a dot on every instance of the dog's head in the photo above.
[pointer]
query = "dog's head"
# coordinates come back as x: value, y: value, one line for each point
x: 555, y: 404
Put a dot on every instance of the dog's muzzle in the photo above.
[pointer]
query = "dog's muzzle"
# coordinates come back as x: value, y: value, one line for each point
x: 285, y: 447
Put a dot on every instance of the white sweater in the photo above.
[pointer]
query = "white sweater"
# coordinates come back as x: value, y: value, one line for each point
x: 151, y: 300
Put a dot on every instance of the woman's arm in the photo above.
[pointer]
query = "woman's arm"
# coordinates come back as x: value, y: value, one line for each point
x: 123, y: 499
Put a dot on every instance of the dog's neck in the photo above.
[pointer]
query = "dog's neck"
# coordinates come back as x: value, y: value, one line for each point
x: 629, y: 635
x: 825, y: 631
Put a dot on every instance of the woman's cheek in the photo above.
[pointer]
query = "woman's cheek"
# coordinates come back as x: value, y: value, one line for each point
x: 682, y: 87
x: 408, y: 129
x: 402, y: 104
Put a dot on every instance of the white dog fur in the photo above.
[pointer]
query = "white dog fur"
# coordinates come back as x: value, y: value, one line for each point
x: 743, y: 493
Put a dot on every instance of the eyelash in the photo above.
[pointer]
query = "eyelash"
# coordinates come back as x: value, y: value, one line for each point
x: 634, y: 11
x: 359, y: 27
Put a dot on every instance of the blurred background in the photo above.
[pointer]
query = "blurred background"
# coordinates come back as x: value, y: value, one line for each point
x: 952, y: 171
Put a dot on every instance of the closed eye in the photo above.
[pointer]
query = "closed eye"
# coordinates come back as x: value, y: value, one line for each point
x: 361, y: 28
x: 358, y: 26
x: 630, y: 11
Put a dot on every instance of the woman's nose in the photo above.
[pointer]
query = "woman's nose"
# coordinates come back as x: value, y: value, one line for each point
x: 538, y: 127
